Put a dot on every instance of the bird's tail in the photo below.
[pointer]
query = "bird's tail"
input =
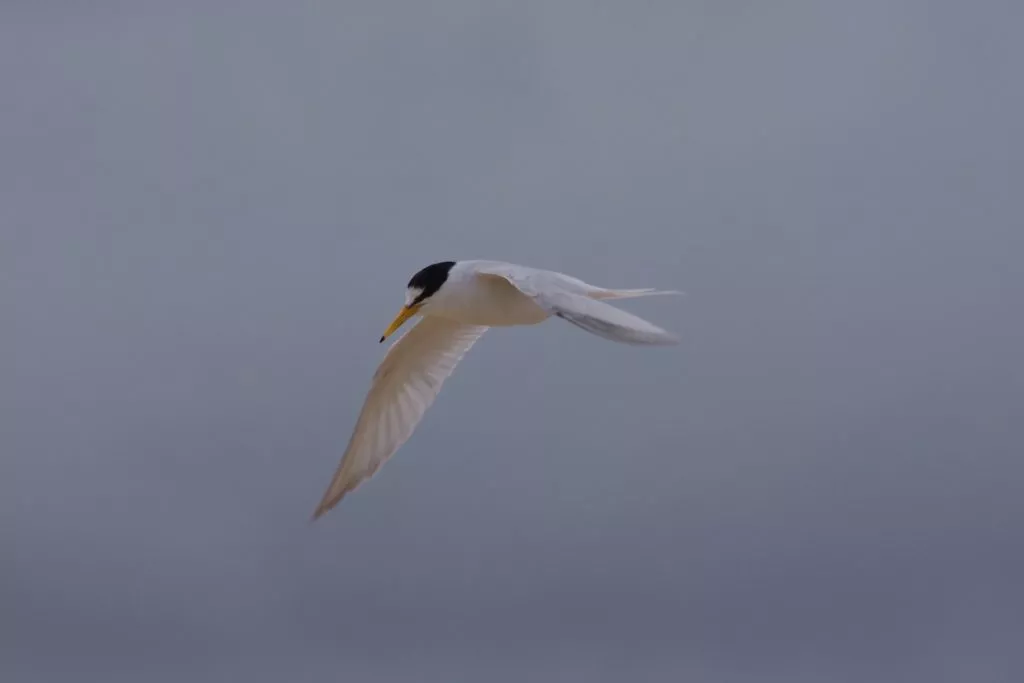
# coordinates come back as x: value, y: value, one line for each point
x: 601, y: 293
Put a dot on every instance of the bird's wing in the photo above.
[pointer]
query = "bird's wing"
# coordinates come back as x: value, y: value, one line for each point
x: 564, y: 297
x: 406, y: 383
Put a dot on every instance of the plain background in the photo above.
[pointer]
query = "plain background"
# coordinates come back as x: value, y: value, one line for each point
x: 209, y: 211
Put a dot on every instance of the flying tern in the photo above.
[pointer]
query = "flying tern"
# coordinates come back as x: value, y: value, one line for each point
x: 457, y: 301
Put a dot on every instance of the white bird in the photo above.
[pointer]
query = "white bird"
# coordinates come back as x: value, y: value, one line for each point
x: 458, y: 301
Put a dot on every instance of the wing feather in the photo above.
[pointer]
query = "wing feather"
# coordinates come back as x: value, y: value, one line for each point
x: 404, y: 386
x: 604, y: 320
x: 577, y: 302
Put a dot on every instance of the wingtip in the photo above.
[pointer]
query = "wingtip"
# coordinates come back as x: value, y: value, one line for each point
x: 666, y: 340
x: 325, y: 506
x: 662, y: 338
x: 328, y: 503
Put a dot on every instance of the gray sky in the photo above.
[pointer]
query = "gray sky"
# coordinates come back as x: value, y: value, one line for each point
x: 208, y: 212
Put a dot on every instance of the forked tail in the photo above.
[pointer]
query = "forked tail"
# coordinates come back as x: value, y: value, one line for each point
x: 601, y: 293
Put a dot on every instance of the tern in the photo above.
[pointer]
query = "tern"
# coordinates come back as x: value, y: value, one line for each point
x: 457, y: 302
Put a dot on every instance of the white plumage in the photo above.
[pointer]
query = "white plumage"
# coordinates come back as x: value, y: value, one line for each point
x: 458, y: 301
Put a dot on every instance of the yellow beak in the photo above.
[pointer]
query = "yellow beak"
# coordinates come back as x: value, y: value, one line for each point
x: 403, y: 315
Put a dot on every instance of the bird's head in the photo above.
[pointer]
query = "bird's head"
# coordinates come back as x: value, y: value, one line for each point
x: 421, y: 287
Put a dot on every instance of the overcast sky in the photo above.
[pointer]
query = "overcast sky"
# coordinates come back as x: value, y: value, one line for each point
x: 208, y: 214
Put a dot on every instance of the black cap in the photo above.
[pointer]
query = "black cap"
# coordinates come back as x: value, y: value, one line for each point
x: 430, y: 279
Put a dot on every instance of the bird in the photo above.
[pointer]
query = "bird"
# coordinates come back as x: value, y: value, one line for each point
x: 457, y: 301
